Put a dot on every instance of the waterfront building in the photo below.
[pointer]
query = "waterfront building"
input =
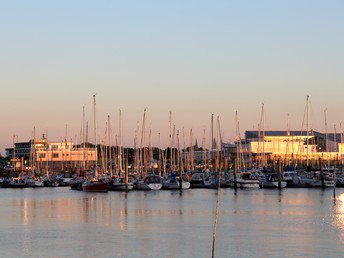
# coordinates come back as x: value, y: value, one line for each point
x: 52, y: 156
x: 293, y: 144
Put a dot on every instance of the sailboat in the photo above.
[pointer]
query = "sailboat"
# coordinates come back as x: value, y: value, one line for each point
x: 173, y: 182
x: 95, y: 184
x: 244, y: 179
x: 150, y: 182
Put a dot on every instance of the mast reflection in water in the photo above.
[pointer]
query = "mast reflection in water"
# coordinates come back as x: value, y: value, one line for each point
x: 58, y: 222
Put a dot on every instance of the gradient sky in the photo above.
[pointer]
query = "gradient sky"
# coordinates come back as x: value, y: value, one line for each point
x: 192, y: 57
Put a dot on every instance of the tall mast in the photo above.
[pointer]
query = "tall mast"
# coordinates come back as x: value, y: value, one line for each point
x: 237, y: 141
x: 326, y: 135
x: 150, y: 147
x: 105, y: 152
x: 220, y: 134
x: 341, y: 147
x: 95, y: 131
x: 184, y: 156
x: 137, y: 150
x: 65, y: 148
x: 335, y: 144
x: 212, y: 138
x: 192, y: 158
x: 109, y: 146
x: 159, y: 156
x: 180, y: 163
x: 307, y: 140
x: 263, y: 127
x: 171, y: 155
x: 204, y: 150
x: 173, y: 147
x: 34, y: 152
x: 83, y: 138
x: 120, y: 142
x: 86, y: 140
x: 217, y: 162
x: 14, y: 152
x: 143, y: 141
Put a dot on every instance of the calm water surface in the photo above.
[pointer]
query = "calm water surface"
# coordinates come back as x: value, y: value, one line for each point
x: 58, y: 222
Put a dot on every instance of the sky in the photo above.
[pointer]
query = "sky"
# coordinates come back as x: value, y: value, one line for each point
x: 193, y: 58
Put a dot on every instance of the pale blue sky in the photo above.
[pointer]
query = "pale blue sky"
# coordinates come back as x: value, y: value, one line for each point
x: 191, y: 57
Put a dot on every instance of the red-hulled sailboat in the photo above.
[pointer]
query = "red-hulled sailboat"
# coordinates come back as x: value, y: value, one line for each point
x: 95, y: 185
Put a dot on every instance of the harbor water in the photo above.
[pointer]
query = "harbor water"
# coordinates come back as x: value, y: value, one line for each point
x: 59, y: 222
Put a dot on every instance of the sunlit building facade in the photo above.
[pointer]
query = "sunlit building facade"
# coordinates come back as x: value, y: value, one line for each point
x: 293, y: 144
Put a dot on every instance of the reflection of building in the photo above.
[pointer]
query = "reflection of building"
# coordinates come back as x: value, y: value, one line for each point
x: 54, y: 155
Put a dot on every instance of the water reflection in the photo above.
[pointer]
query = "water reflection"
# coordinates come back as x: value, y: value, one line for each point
x: 339, y: 216
x: 68, y: 223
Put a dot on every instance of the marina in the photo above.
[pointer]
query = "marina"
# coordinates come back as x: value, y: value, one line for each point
x: 171, y: 129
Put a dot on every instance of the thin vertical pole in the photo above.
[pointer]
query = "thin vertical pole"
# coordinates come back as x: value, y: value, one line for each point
x: 307, y: 140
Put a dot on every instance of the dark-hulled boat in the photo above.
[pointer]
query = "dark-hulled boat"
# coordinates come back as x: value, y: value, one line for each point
x: 95, y: 186
x: 76, y: 184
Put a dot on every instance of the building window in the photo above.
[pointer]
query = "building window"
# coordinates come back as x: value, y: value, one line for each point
x: 55, y: 155
x: 42, y: 155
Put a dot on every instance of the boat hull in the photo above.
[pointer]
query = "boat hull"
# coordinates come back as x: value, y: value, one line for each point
x: 176, y: 186
x: 148, y: 186
x: 246, y: 184
x: 95, y: 186
x: 272, y: 184
x: 121, y: 187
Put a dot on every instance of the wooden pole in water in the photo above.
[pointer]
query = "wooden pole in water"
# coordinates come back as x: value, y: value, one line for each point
x: 279, y: 171
x: 322, y: 174
x: 216, y: 216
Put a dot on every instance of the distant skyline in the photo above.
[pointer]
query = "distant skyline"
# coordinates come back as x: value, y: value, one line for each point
x: 194, y: 58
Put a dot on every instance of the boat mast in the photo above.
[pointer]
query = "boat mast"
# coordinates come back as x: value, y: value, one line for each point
x: 186, y: 161
x: 14, y: 152
x: 287, y: 160
x: 217, y: 158
x: 120, y: 143
x: 204, y: 150
x: 341, y: 147
x: 222, y: 151
x: 335, y: 145
x: 174, y: 147
x: 171, y: 155
x: 192, y: 158
x: 34, y: 152
x: 95, y: 134
x: 159, y: 155
x: 150, y: 148
x: 307, y: 151
x: 105, y: 151
x: 326, y: 137
x: 263, y: 129
x: 109, y: 146
x: 212, y: 139
x: 180, y: 160
x: 237, y: 141
x: 65, y: 149
x: 137, y: 150
x: 142, y: 156
x: 47, y: 154
x: 83, y: 138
